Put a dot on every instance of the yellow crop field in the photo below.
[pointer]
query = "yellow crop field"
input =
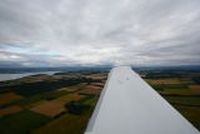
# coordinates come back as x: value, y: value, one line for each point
x: 195, y: 88
x: 49, y: 108
x: 70, y: 97
x: 73, y: 88
x: 9, y: 97
x: 57, y: 106
x: 165, y: 81
x: 91, y: 89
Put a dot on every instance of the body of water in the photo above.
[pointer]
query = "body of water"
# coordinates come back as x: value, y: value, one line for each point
x: 4, y: 77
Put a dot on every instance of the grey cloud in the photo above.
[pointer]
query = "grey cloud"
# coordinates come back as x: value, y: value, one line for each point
x: 97, y: 32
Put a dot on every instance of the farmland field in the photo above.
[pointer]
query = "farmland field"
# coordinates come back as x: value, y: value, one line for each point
x: 49, y: 108
x: 22, y: 122
x: 10, y: 110
x: 63, y: 108
x: 63, y: 103
x: 70, y: 123
x: 9, y: 97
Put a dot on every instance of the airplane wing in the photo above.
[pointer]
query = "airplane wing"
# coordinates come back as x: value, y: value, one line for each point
x: 128, y: 105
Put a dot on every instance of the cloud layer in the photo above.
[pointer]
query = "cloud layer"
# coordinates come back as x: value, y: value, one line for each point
x: 99, y: 32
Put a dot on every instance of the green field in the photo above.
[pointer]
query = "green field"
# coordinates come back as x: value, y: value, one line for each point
x: 22, y: 122
x: 184, y: 100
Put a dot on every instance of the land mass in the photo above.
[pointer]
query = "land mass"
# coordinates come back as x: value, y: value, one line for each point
x: 64, y: 102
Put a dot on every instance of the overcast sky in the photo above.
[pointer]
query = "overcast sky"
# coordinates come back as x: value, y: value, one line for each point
x: 99, y: 32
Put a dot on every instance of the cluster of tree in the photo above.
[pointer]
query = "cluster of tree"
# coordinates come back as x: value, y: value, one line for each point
x: 76, y: 107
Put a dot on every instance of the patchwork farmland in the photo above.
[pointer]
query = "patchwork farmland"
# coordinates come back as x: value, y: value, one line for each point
x: 65, y: 107
x: 63, y: 103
